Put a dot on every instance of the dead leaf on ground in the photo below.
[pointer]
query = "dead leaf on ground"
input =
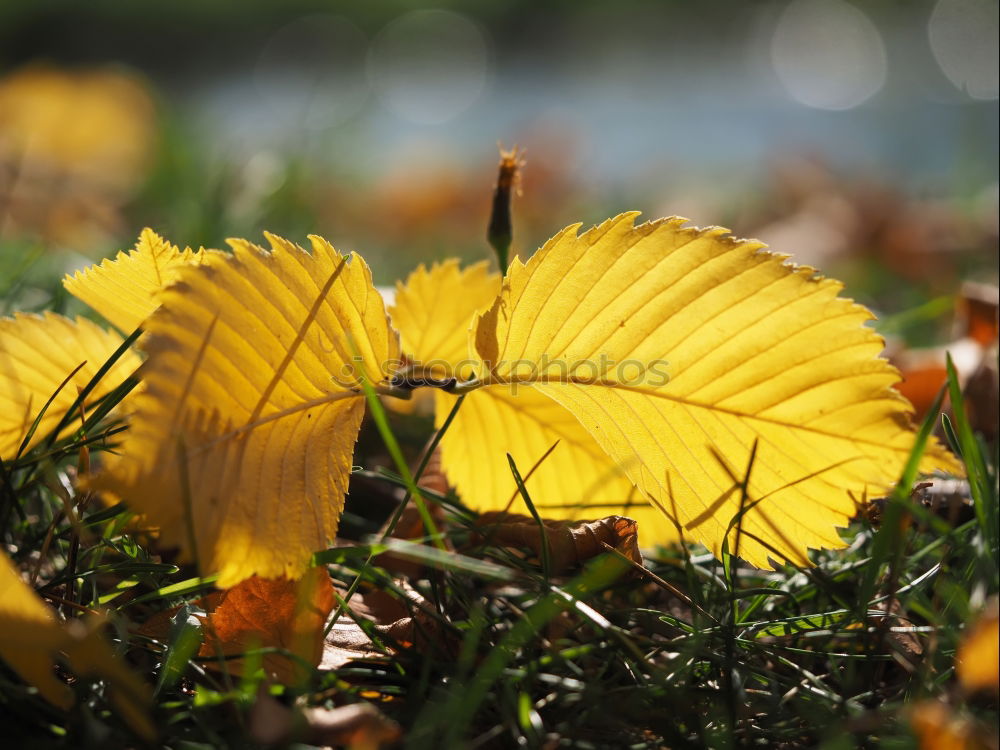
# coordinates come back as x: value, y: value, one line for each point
x: 262, y: 613
x: 405, y: 626
x: 570, y: 543
x: 347, y: 642
x: 949, y: 499
x: 359, y: 726
x: 906, y: 644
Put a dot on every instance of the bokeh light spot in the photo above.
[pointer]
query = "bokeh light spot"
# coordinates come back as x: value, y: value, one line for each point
x: 963, y: 36
x: 311, y: 71
x: 428, y: 66
x: 828, y: 54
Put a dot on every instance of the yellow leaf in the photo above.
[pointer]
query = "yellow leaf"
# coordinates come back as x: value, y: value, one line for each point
x: 126, y: 290
x: 434, y: 308
x: 679, y: 349
x: 31, y: 638
x: 433, y: 313
x: 37, y: 354
x: 576, y: 480
x: 95, y: 125
x: 938, y: 726
x: 978, y: 658
x: 243, y: 435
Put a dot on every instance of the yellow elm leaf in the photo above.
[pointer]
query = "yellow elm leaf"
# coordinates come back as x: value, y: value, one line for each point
x: 577, y: 480
x: 30, y: 638
x: 433, y: 313
x: 126, y: 290
x: 434, y: 308
x: 679, y: 348
x: 250, y: 410
x: 38, y: 353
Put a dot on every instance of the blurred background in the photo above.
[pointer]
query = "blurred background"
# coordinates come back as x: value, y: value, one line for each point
x: 858, y: 137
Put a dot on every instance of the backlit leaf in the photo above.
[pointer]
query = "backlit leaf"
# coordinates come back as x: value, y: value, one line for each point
x: 38, y: 353
x: 434, y: 308
x: 679, y: 348
x: 31, y: 638
x: 126, y: 290
x: 249, y: 413
x: 577, y: 480
x: 433, y: 313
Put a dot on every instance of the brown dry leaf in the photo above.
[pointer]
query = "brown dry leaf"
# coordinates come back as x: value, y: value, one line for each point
x: 262, y: 613
x: 907, y: 645
x: 570, y: 543
x: 359, y: 726
x: 259, y: 612
x: 978, y: 658
x: 347, y: 642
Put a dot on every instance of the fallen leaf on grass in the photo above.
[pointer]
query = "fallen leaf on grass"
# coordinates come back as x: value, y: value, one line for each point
x: 978, y: 658
x: 982, y: 395
x: 241, y: 442
x: 347, y: 642
x: 433, y: 311
x: 978, y: 308
x: 37, y: 354
x: 570, y: 543
x: 261, y: 613
x: 408, y: 625
x: 126, y: 290
x: 658, y: 356
x: 358, y: 726
x: 282, y: 613
x: 681, y: 349
x: 31, y: 639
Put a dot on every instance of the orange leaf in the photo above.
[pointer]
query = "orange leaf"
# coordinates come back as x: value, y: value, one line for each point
x: 281, y: 613
x: 938, y: 727
x: 979, y: 653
